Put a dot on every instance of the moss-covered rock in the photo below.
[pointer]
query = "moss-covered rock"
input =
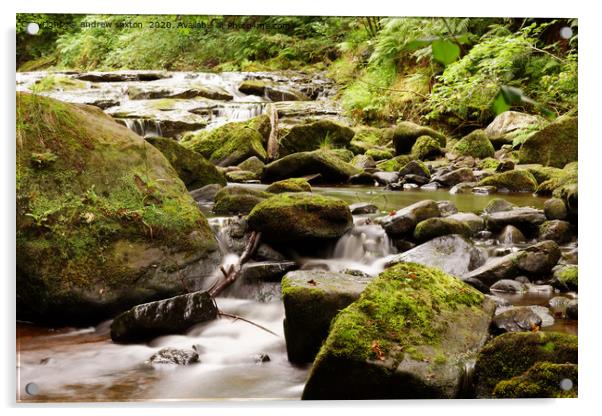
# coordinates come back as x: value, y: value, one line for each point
x: 475, y: 144
x: 556, y: 230
x: 543, y: 380
x: 313, y: 136
x: 436, y: 227
x: 289, y: 185
x: 103, y: 221
x: 554, y: 145
x: 498, y: 205
x: 542, y: 173
x: 253, y: 87
x: 511, y: 354
x: 394, y: 164
x: 328, y: 165
x: 563, y: 185
x: 403, y: 221
x: 405, y: 134
x: 54, y: 82
x: 407, y: 336
x: 489, y: 163
x: 343, y: 154
x: 567, y: 277
x: 363, y: 162
x: 194, y: 170
x: 415, y: 167
x: 235, y: 200
x: 555, y: 209
x: 426, y: 148
x: 253, y: 164
x: 513, y: 127
x: 379, y: 154
x: 241, y: 176
x: 312, y: 298
x: 301, y: 217
x: 232, y: 143
x: 513, y: 180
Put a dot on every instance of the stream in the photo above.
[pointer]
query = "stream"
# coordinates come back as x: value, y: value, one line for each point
x: 83, y: 364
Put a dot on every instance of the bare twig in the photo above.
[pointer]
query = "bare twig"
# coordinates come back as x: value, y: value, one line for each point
x: 236, y: 317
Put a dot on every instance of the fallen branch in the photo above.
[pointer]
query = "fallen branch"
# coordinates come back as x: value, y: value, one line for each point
x: 272, y: 147
x: 236, y: 317
x: 233, y: 272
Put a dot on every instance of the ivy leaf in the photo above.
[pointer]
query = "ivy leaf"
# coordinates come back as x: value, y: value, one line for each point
x: 445, y: 51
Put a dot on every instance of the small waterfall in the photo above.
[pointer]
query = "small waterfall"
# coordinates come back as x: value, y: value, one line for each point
x: 364, y: 243
x: 144, y: 127
x: 467, y: 386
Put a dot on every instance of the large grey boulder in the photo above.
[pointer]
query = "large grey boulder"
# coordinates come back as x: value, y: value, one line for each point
x: 526, y: 219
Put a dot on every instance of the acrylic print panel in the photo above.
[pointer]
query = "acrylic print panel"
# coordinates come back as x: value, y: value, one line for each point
x: 289, y: 207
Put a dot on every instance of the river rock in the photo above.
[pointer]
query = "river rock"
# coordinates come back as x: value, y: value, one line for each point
x: 363, y: 162
x: 555, y: 209
x: 385, y: 178
x: 511, y: 124
x: 558, y: 305
x: 475, y: 144
x: 169, y: 316
x: 447, y: 208
x: 516, y: 319
x: 231, y: 143
x: 484, y: 190
x: 455, y: 177
x: 408, y: 336
x: 436, y: 227
x: 266, y: 271
x: 122, y: 76
x: 544, y: 313
x: 566, y: 278
x: 289, y: 185
x: 462, y: 188
x: 300, y: 217
x: 312, y: 136
x: 405, y: 134
x: 572, y: 309
x: 242, y: 176
x: 206, y: 193
x: 526, y: 219
x: 330, y: 167
x: 453, y: 254
x: 426, y: 148
x: 511, y: 235
x: 173, y: 356
x: 508, y: 286
x: 554, y: 145
x: 234, y: 200
x: 252, y: 164
x: 511, y: 354
x: 473, y: 221
x: 361, y: 208
x: 556, y: 230
x: 415, y: 167
x: 432, y: 186
x: 513, y: 181
x: 191, y: 167
x: 312, y: 298
x: 498, y: 205
x: 536, y: 260
x: 92, y: 201
x: 404, y: 221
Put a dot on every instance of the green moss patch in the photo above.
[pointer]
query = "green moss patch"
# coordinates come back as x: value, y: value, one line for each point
x: 543, y: 380
x: 234, y: 200
x: 554, y: 145
x: 513, y: 180
x: 289, y: 185
x: 57, y: 83
x: 475, y: 144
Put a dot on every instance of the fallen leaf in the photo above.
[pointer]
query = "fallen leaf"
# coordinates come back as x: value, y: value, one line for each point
x: 312, y: 282
x: 380, y: 355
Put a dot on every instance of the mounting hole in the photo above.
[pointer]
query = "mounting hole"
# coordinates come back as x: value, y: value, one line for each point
x: 566, y: 32
x: 32, y: 389
x: 32, y: 28
x: 566, y: 384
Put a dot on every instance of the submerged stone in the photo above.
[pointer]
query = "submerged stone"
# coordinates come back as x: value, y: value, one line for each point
x: 173, y: 356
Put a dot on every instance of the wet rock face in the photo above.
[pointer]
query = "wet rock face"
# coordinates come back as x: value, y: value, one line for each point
x: 404, y: 221
x: 169, y: 316
x: 385, y: 345
x: 312, y: 298
x: 455, y: 177
x: 300, y: 217
x: 453, y: 254
x: 173, y: 356
x: 525, y: 219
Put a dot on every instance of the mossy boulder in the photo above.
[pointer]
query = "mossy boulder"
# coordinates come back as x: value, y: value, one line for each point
x: 312, y: 298
x: 363, y: 162
x: 252, y: 164
x: 103, y: 221
x: 408, y: 336
x: 512, y: 127
x: 415, y: 167
x: 235, y: 200
x: 300, y: 217
x: 313, y: 136
x: 194, y: 170
x: 379, y: 154
x: 556, y: 230
x: 253, y: 87
x: 475, y: 144
x: 394, y: 164
x: 343, y: 154
x: 405, y: 134
x: 241, y: 176
x: 489, y: 163
x: 289, y: 185
x: 498, y: 205
x: 555, y: 209
x: 554, y: 145
x: 511, y: 354
x: 543, y: 380
x: 513, y: 180
x: 231, y: 143
x: 436, y: 227
x: 403, y: 221
x: 567, y: 278
x: 563, y: 185
x: 323, y: 162
x: 426, y: 148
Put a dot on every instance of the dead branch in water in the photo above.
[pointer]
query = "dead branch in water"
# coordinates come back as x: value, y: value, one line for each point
x: 233, y: 272
x: 273, y: 138
x: 236, y: 317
